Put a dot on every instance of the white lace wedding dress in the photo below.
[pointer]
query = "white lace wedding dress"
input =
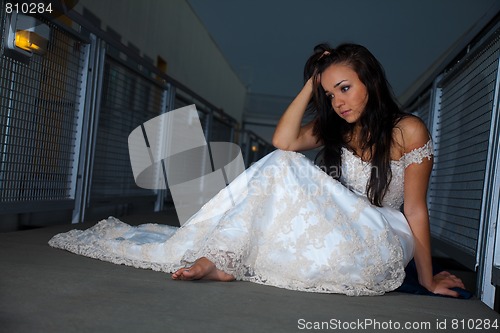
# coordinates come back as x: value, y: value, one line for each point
x: 296, y: 228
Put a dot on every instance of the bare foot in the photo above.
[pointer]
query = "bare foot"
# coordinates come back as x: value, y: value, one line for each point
x: 202, y: 269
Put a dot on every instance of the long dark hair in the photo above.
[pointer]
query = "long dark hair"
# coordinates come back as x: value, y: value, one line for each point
x: 377, y: 122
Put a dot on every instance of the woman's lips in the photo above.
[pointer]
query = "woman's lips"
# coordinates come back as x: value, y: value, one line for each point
x: 346, y: 112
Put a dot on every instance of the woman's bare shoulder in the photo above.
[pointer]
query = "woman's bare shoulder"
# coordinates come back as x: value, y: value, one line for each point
x: 411, y: 132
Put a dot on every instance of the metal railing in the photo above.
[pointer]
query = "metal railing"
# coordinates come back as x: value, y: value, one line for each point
x: 461, y: 110
x: 65, y: 118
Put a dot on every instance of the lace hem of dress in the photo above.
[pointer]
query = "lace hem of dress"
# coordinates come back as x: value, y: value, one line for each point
x: 231, y: 263
x: 94, y: 243
x: 348, y: 290
x: 67, y: 242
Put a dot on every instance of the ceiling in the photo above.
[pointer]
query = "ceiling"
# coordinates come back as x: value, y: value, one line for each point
x: 268, y: 42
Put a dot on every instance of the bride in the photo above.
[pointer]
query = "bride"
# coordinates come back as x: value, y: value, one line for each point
x: 334, y: 227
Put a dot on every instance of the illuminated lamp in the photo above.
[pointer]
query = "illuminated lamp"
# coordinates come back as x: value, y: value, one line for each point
x: 26, y: 35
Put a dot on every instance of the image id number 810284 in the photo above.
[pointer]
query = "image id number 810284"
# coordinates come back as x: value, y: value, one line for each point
x: 28, y: 7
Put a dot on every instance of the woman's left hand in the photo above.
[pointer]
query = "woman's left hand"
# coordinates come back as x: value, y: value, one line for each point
x: 443, y: 282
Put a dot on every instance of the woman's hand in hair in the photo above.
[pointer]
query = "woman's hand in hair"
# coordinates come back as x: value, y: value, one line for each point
x: 289, y: 133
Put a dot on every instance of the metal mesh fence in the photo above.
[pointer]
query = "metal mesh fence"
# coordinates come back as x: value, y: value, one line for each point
x: 38, y: 117
x: 128, y: 100
x: 464, y: 119
x: 42, y: 136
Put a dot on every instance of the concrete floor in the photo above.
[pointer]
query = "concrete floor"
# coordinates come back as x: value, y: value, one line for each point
x: 49, y: 290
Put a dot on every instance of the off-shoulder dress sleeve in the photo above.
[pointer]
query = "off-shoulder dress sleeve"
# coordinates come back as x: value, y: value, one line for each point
x: 418, y: 155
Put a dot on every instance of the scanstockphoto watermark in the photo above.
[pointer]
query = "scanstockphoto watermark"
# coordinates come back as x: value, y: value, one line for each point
x: 293, y: 179
x: 170, y: 151
x: 332, y: 171
x: 362, y: 324
x: 311, y: 180
x: 371, y: 324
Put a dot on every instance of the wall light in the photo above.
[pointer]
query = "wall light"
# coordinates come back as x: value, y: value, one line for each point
x: 26, y: 35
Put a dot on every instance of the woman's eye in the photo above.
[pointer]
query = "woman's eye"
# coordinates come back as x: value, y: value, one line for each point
x: 345, y: 88
x: 330, y: 96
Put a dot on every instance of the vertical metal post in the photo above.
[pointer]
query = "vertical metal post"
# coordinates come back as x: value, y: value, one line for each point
x: 246, y: 135
x: 485, y: 255
x: 165, y: 107
x: 90, y: 111
x: 231, y: 134
x: 80, y: 130
x: 10, y: 107
x: 208, y: 125
x: 208, y: 135
x: 434, y: 111
x: 5, y: 144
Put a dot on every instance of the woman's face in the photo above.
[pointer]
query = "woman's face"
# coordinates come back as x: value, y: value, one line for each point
x: 346, y: 92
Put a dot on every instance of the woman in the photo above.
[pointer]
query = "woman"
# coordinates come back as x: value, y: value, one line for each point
x: 334, y: 229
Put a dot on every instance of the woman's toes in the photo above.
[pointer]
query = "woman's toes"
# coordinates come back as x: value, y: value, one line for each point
x: 177, y: 274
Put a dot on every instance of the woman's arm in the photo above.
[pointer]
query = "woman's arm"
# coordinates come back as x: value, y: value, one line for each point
x: 289, y: 134
x: 416, y: 178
